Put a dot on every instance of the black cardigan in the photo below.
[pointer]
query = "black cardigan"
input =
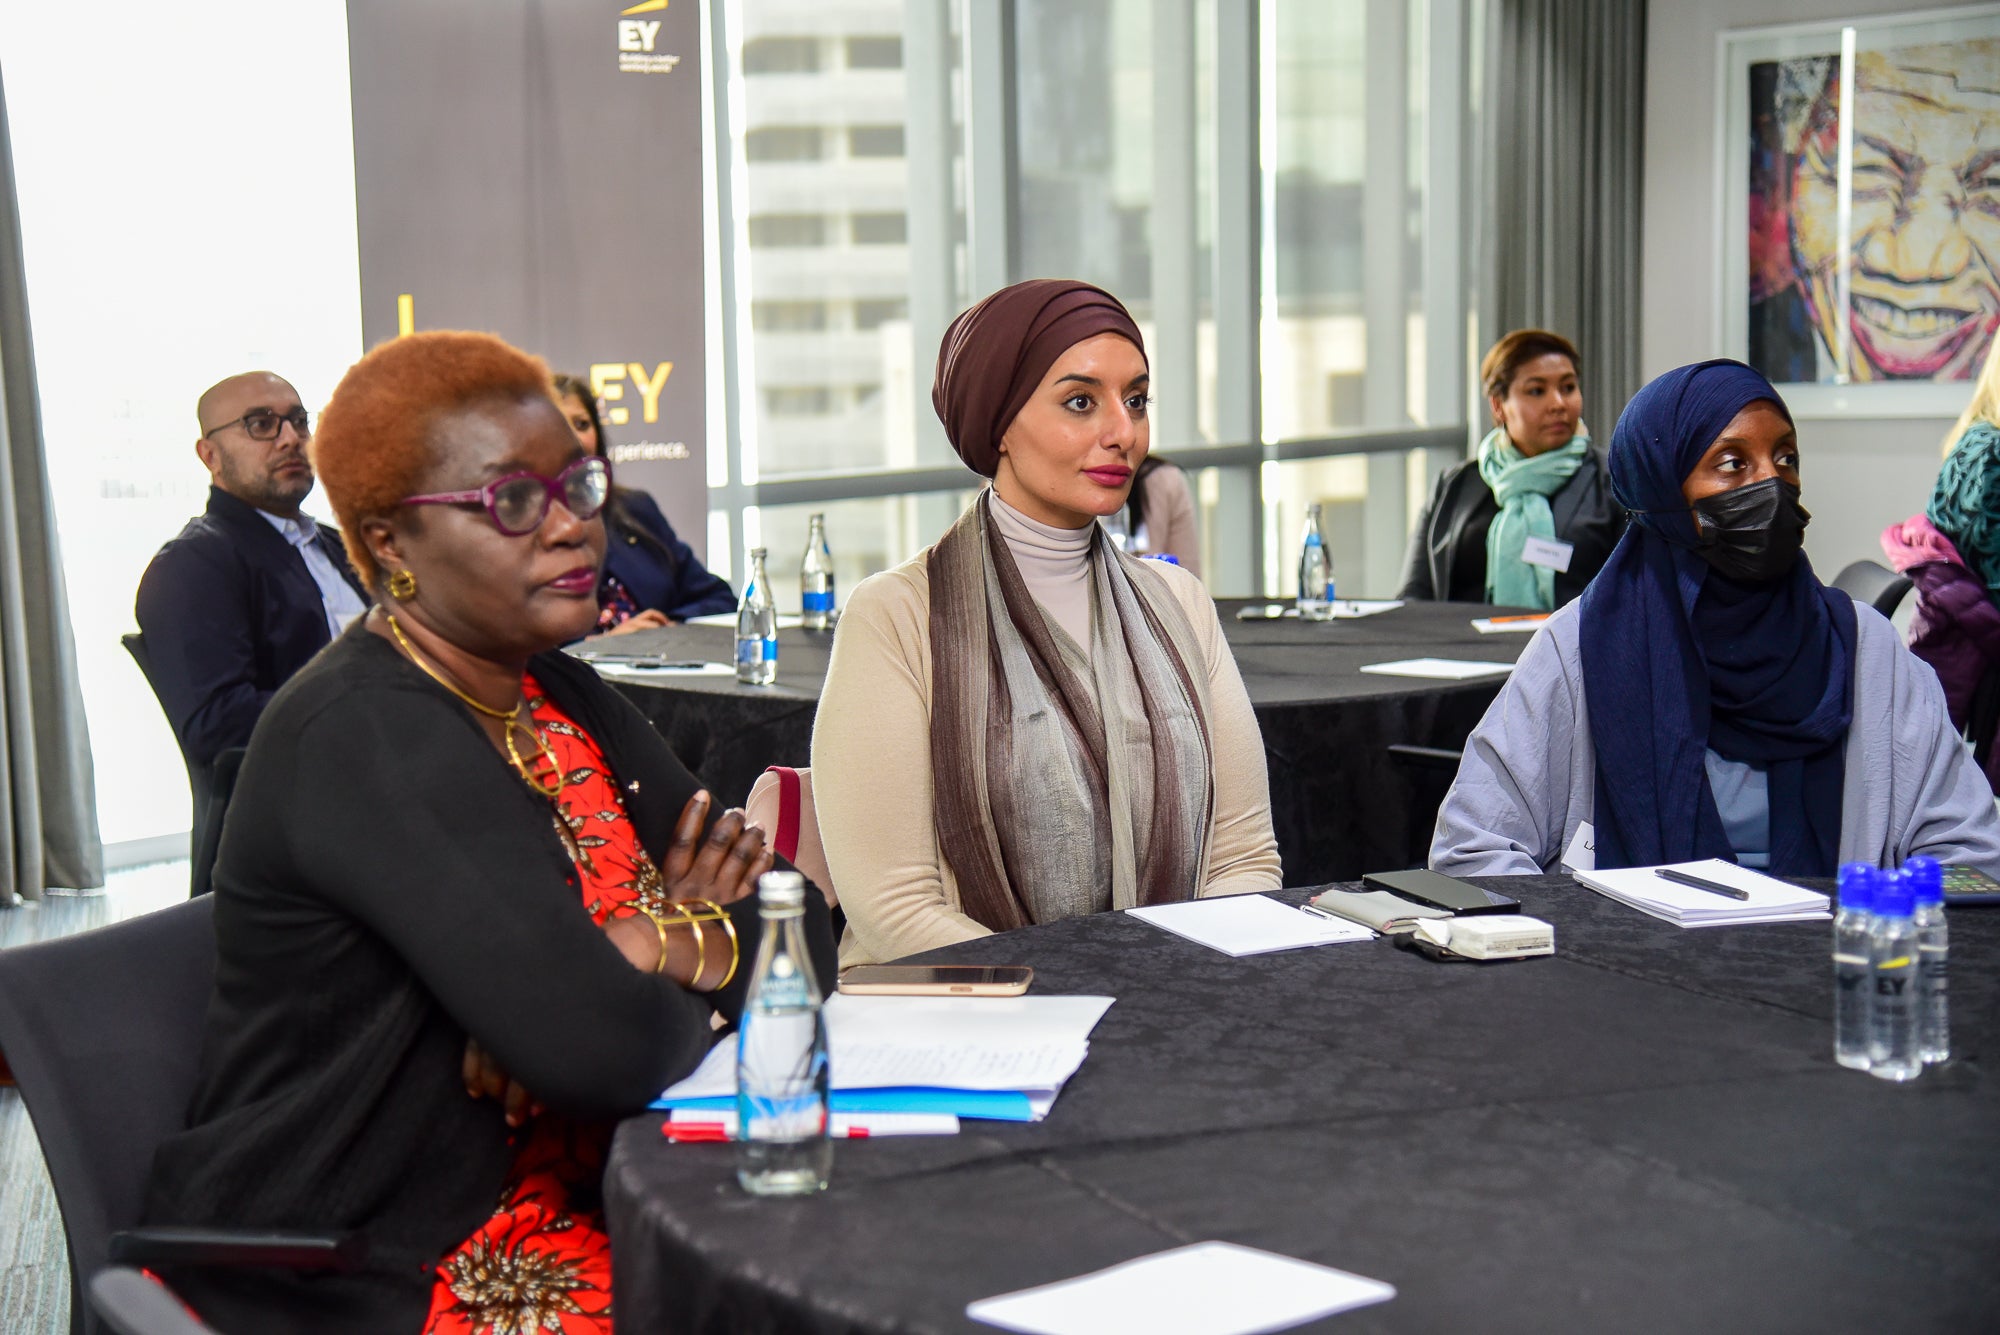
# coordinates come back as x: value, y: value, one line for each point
x: 1447, y: 559
x: 386, y: 886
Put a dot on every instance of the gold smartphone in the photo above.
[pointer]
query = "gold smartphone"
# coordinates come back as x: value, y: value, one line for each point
x: 937, y: 980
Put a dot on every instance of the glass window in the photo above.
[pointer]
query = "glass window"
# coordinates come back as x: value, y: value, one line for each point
x: 875, y: 314
x: 798, y: 400
x: 832, y: 170
x: 875, y: 141
x: 881, y: 229
x: 788, y: 229
x: 784, y: 143
x: 1083, y: 127
x: 788, y: 315
x: 781, y: 55
x: 874, y: 53
x: 1344, y: 119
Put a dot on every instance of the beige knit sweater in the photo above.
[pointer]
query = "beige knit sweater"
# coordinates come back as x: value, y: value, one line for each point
x: 871, y: 762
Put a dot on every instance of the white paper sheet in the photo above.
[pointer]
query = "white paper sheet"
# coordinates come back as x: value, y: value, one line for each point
x: 1024, y: 1043
x: 844, y: 1125
x: 1209, y: 1288
x: 1771, y: 900
x: 1441, y: 669
x: 1519, y: 625
x: 786, y: 620
x: 1249, y: 924
x: 637, y: 672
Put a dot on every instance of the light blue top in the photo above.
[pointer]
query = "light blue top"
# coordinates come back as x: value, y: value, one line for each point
x: 1529, y: 778
x: 1743, y: 799
x: 342, y: 603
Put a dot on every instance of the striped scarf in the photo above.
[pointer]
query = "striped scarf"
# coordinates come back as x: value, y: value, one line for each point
x: 1061, y: 784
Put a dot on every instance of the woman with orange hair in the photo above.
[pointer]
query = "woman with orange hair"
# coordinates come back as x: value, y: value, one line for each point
x: 456, y: 864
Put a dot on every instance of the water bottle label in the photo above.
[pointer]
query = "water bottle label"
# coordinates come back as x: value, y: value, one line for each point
x: 751, y: 652
x: 819, y: 602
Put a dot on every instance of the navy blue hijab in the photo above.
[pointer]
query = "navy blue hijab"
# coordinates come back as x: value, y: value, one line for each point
x: 1679, y: 659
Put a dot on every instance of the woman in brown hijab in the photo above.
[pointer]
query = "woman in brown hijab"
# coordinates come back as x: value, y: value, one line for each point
x: 1024, y: 724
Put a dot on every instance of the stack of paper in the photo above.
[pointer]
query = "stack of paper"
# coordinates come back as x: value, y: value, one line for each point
x: 1249, y: 924
x: 1769, y: 900
x: 1209, y: 1288
x: 1526, y: 624
x: 710, y: 1124
x: 999, y: 1058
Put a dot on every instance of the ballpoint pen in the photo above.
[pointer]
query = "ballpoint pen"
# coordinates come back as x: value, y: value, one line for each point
x: 1713, y: 887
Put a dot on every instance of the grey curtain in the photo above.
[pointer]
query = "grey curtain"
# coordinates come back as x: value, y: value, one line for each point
x: 1565, y: 93
x: 48, y: 804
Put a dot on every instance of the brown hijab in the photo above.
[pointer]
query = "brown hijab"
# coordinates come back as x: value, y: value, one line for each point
x: 998, y: 350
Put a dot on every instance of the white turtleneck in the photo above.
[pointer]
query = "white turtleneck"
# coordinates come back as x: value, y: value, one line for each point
x: 1054, y: 564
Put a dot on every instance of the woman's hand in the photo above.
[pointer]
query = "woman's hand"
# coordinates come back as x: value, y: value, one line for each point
x: 722, y: 868
x: 646, y: 620
x: 485, y: 1079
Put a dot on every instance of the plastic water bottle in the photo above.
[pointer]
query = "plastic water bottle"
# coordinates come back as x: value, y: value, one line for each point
x: 1933, y: 944
x: 757, y: 628
x: 816, y: 578
x: 1315, y: 573
x: 1853, y: 986
x: 782, y: 1123
x: 1892, y: 1029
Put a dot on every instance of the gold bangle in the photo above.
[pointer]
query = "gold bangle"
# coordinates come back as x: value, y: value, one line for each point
x: 729, y: 928
x: 660, y: 927
x: 700, y: 945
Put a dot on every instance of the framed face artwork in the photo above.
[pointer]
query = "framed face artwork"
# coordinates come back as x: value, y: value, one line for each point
x: 1860, y: 219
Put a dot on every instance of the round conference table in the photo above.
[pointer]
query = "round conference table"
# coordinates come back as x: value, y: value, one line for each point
x: 1645, y: 1132
x: 1341, y: 804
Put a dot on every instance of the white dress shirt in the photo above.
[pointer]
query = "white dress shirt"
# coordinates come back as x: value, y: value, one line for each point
x: 342, y: 603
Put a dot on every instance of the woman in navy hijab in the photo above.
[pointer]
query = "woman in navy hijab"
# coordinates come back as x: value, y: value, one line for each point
x: 1708, y: 696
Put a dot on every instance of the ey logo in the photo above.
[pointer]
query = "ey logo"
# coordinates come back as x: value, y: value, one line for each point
x: 607, y: 382
x: 637, y: 34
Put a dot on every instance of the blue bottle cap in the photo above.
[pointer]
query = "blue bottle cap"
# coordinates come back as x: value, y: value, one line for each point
x: 1927, y: 877
x: 1857, y: 886
x: 1895, y: 897
x: 1168, y: 557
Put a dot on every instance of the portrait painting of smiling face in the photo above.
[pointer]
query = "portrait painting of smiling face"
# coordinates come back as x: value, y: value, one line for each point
x: 1923, y: 252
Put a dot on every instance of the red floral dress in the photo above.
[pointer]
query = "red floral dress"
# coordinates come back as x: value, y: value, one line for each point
x: 542, y: 1264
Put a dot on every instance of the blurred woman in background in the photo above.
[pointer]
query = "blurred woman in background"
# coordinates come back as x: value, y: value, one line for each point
x: 1951, y: 553
x: 1160, y: 519
x: 650, y: 578
x: 1530, y: 519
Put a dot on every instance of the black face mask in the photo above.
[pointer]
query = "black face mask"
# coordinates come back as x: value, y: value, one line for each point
x: 1753, y: 533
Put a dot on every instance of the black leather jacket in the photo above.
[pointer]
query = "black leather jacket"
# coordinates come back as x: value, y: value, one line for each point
x: 1447, y: 560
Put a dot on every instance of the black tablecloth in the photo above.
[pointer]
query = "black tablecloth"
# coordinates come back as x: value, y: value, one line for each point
x: 1643, y: 1133
x: 1341, y: 806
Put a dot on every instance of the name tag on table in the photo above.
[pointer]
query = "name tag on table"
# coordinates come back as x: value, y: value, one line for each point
x: 1548, y: 552
x: 1581, y: 855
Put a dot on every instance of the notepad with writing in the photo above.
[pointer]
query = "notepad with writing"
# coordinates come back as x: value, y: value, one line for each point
x: 1770, y: 900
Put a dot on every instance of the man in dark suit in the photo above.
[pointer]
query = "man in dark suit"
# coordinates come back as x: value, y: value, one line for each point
x: 252, y: 588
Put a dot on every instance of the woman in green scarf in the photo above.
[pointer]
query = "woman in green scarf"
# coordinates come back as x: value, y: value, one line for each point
x: 1529, y: 519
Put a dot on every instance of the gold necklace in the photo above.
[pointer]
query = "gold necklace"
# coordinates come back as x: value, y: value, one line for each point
x: 543, y: 775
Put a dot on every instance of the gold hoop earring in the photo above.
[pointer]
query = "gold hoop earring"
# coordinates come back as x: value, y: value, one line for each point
x: 403, y: 586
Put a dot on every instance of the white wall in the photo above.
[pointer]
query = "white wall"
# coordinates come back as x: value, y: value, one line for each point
x: 186, y: 180
x: 1861, y: 474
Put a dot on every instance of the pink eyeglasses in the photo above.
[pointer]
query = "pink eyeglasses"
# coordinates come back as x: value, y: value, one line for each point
x: 519, y: 502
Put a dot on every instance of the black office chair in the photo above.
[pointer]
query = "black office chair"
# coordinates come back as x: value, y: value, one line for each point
x: 103, y: 1033
x: 211, y: 784
x: 132, y: 1302
x: 1875, y: 584
x: 1431, y: 770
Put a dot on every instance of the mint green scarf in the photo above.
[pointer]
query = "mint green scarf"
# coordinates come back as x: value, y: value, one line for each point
x: 1523, y: 485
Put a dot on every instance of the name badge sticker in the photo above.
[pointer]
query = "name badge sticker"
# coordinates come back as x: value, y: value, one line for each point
x: 1581, y: 855
x: 1549, y: 553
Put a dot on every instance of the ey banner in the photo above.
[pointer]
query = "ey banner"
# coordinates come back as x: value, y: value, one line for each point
x: 533, y: 168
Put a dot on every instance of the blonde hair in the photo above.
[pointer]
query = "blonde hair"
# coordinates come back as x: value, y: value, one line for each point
x: 1985, y: 405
